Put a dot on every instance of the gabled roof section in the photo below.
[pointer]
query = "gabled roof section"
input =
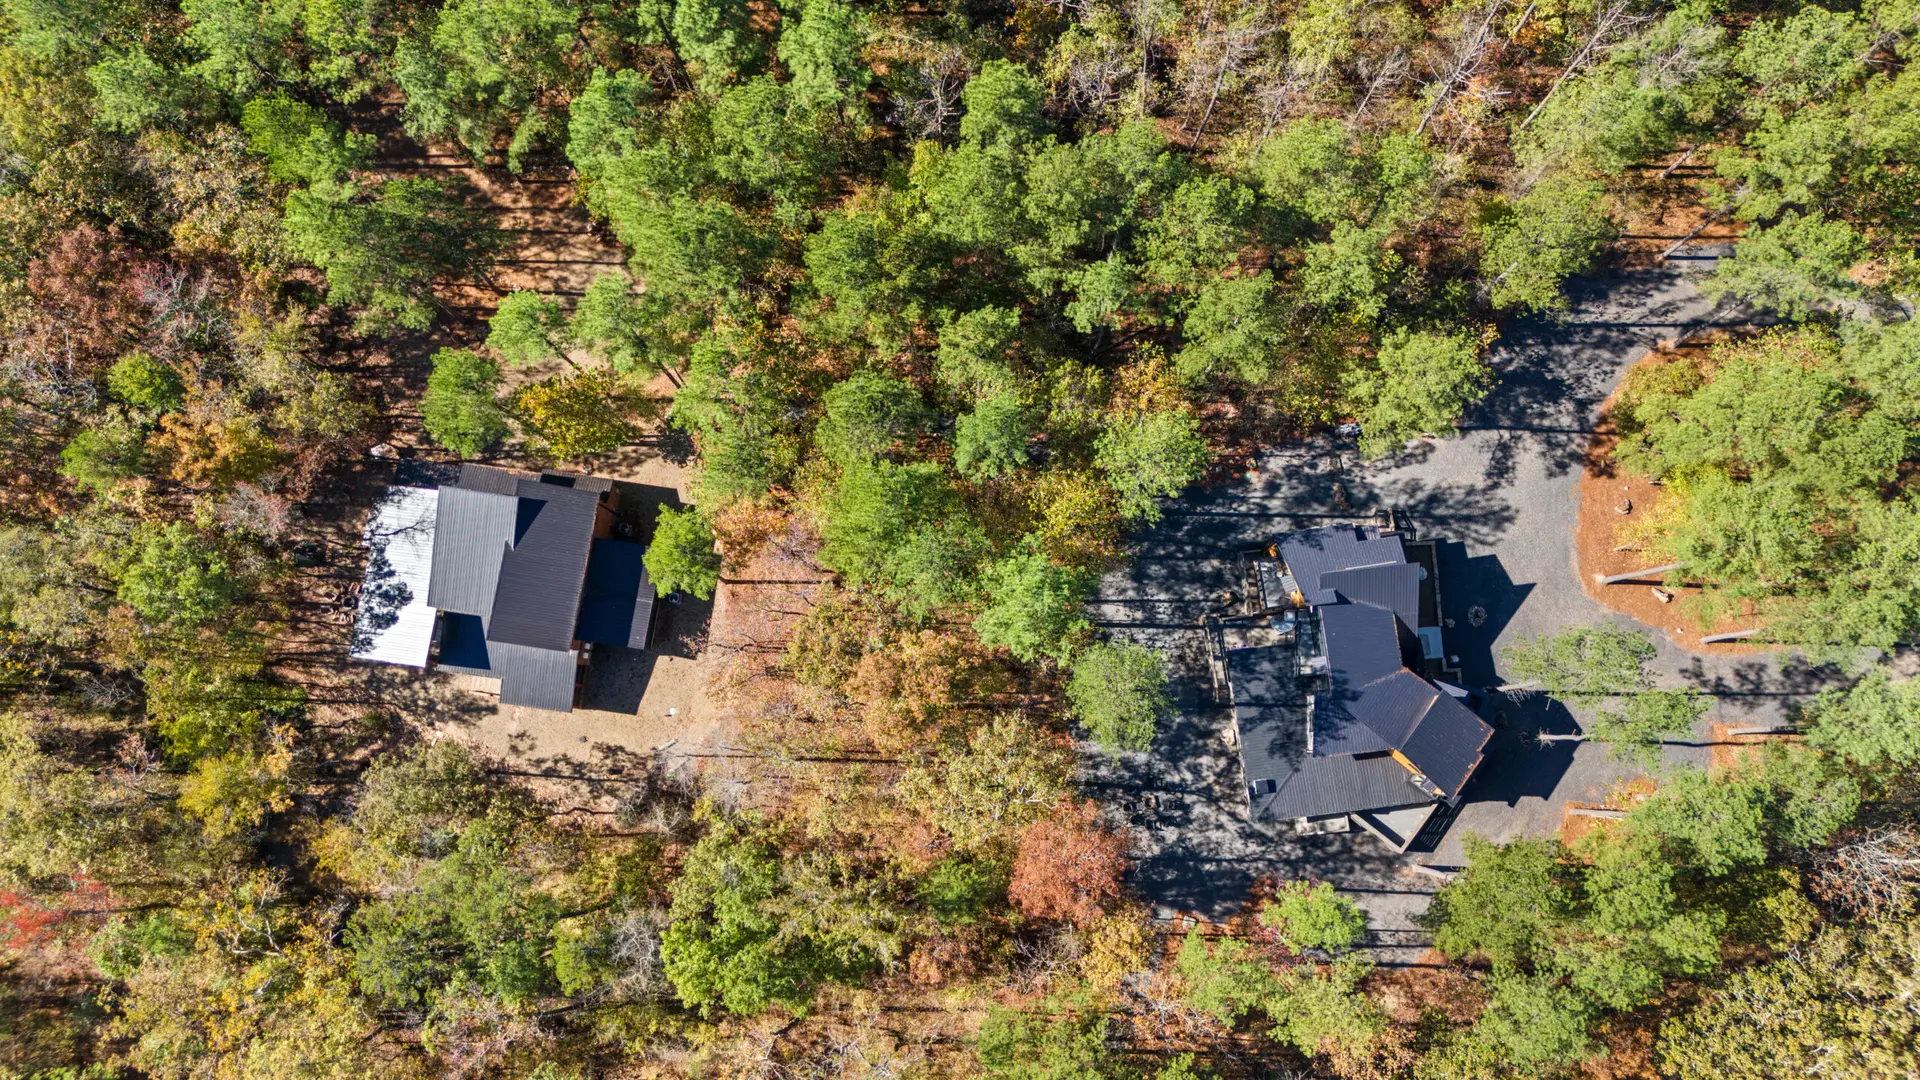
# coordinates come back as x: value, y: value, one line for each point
x: 474, y: 531
x: 1446, y: 744
x: 1395, y: 587
x: 537, y: 599
x: 1312, y: 553
x: 538, y: 678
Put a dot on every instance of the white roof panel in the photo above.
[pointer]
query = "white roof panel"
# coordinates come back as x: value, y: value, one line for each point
x: 394, y: 625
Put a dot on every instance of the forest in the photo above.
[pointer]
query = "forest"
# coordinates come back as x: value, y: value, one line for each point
x: 950, y: 297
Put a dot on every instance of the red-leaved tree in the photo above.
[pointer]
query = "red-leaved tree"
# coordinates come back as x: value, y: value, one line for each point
x: 1068, y: 865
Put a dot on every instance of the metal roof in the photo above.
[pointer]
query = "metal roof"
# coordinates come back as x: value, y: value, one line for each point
x: 541, y: 577
x: 1341, y: 785
x: 1446, y: 745
x: 394, y: 622
x: 539, y: 678
x: 1311, y: 553
x: 475, y: 529
x: 1395, y: 587
x: 617, y: 603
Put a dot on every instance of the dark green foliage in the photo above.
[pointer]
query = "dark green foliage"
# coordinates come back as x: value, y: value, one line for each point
x: 526, y: 328
x: 1782, y: 454
x: 461, y: 409
x: 475, y: 922
x: 1119, y: 691
x: 481, y: 69
x: 1063, y: 1044
x: 712, y: 36
x: 385, y: 254
x: 175, y: 575
x: 1423, y: 384
x: 681, y: 557
x: 1535, y: 242
x: 958, y: 890
x: 1034, y: 607
x: 1003, y: 105
x: 821, y: 50
x: 727, y: 947
x: 992, y: 440
x: 1150, y: 456
x: 1875, y: 722
x: 1314, y: 916
x: 112, y: 450
x: 869, y: 415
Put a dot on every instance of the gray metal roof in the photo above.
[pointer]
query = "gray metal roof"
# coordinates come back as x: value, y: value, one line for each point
x: 1311, y: 553
x: 1341, y: 785
x: 1446, y: 745
x: 491, y: 478
x: 537, y: 599
x: 474, y: 531
x: 539, y: 678
x: 617, y: 604
x: 1395, y: 587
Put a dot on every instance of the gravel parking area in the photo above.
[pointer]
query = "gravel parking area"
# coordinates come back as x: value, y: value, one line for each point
x: 1501, y: 498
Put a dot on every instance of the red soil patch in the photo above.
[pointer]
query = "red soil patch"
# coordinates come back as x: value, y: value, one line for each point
x: 1615, y: 504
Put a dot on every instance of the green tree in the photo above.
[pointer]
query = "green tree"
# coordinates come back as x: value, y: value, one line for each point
x: 1582, y: 664
x: 145, y: 382
x: 1002, y: 105
x: 821, y: 49
x: 869, y: 414
x: 1829, y: 1005
x: 1119, y: 691
x: 1536, y: 1022
x: 1649, y: 717
x: 461, y: 409
x: 681, y: 557
x: 385, y: 254
x: 1532, y: 244
x: 482, y: 70
x: 176, y: 575
x: 992, y: 440
x: 1237, y: 325
x: 526, y: 328
x: 113, y: 449
x: 475, y: 921
x: 724, y: 947
x: 1423, y: 383
x: 1873, y: 723
x: 972, y: 361
x: 1795, y: 266
x: 1307, y: 915
x: 1063, y: 1043
x: 715, y: 40
x: 301, y: 144
x: 1149, y: 456
x: 1034, y: 607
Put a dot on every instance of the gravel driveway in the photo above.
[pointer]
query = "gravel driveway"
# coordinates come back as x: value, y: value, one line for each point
x: 1501, y: 498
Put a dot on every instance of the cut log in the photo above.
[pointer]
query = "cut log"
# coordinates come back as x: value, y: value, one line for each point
x: 1736, y: 635
x: 1595, y: 811
x: 1635, y: 575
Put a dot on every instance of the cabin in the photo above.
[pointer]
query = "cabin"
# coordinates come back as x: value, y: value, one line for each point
x: 1343, y: 710
x: 505, y: 575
